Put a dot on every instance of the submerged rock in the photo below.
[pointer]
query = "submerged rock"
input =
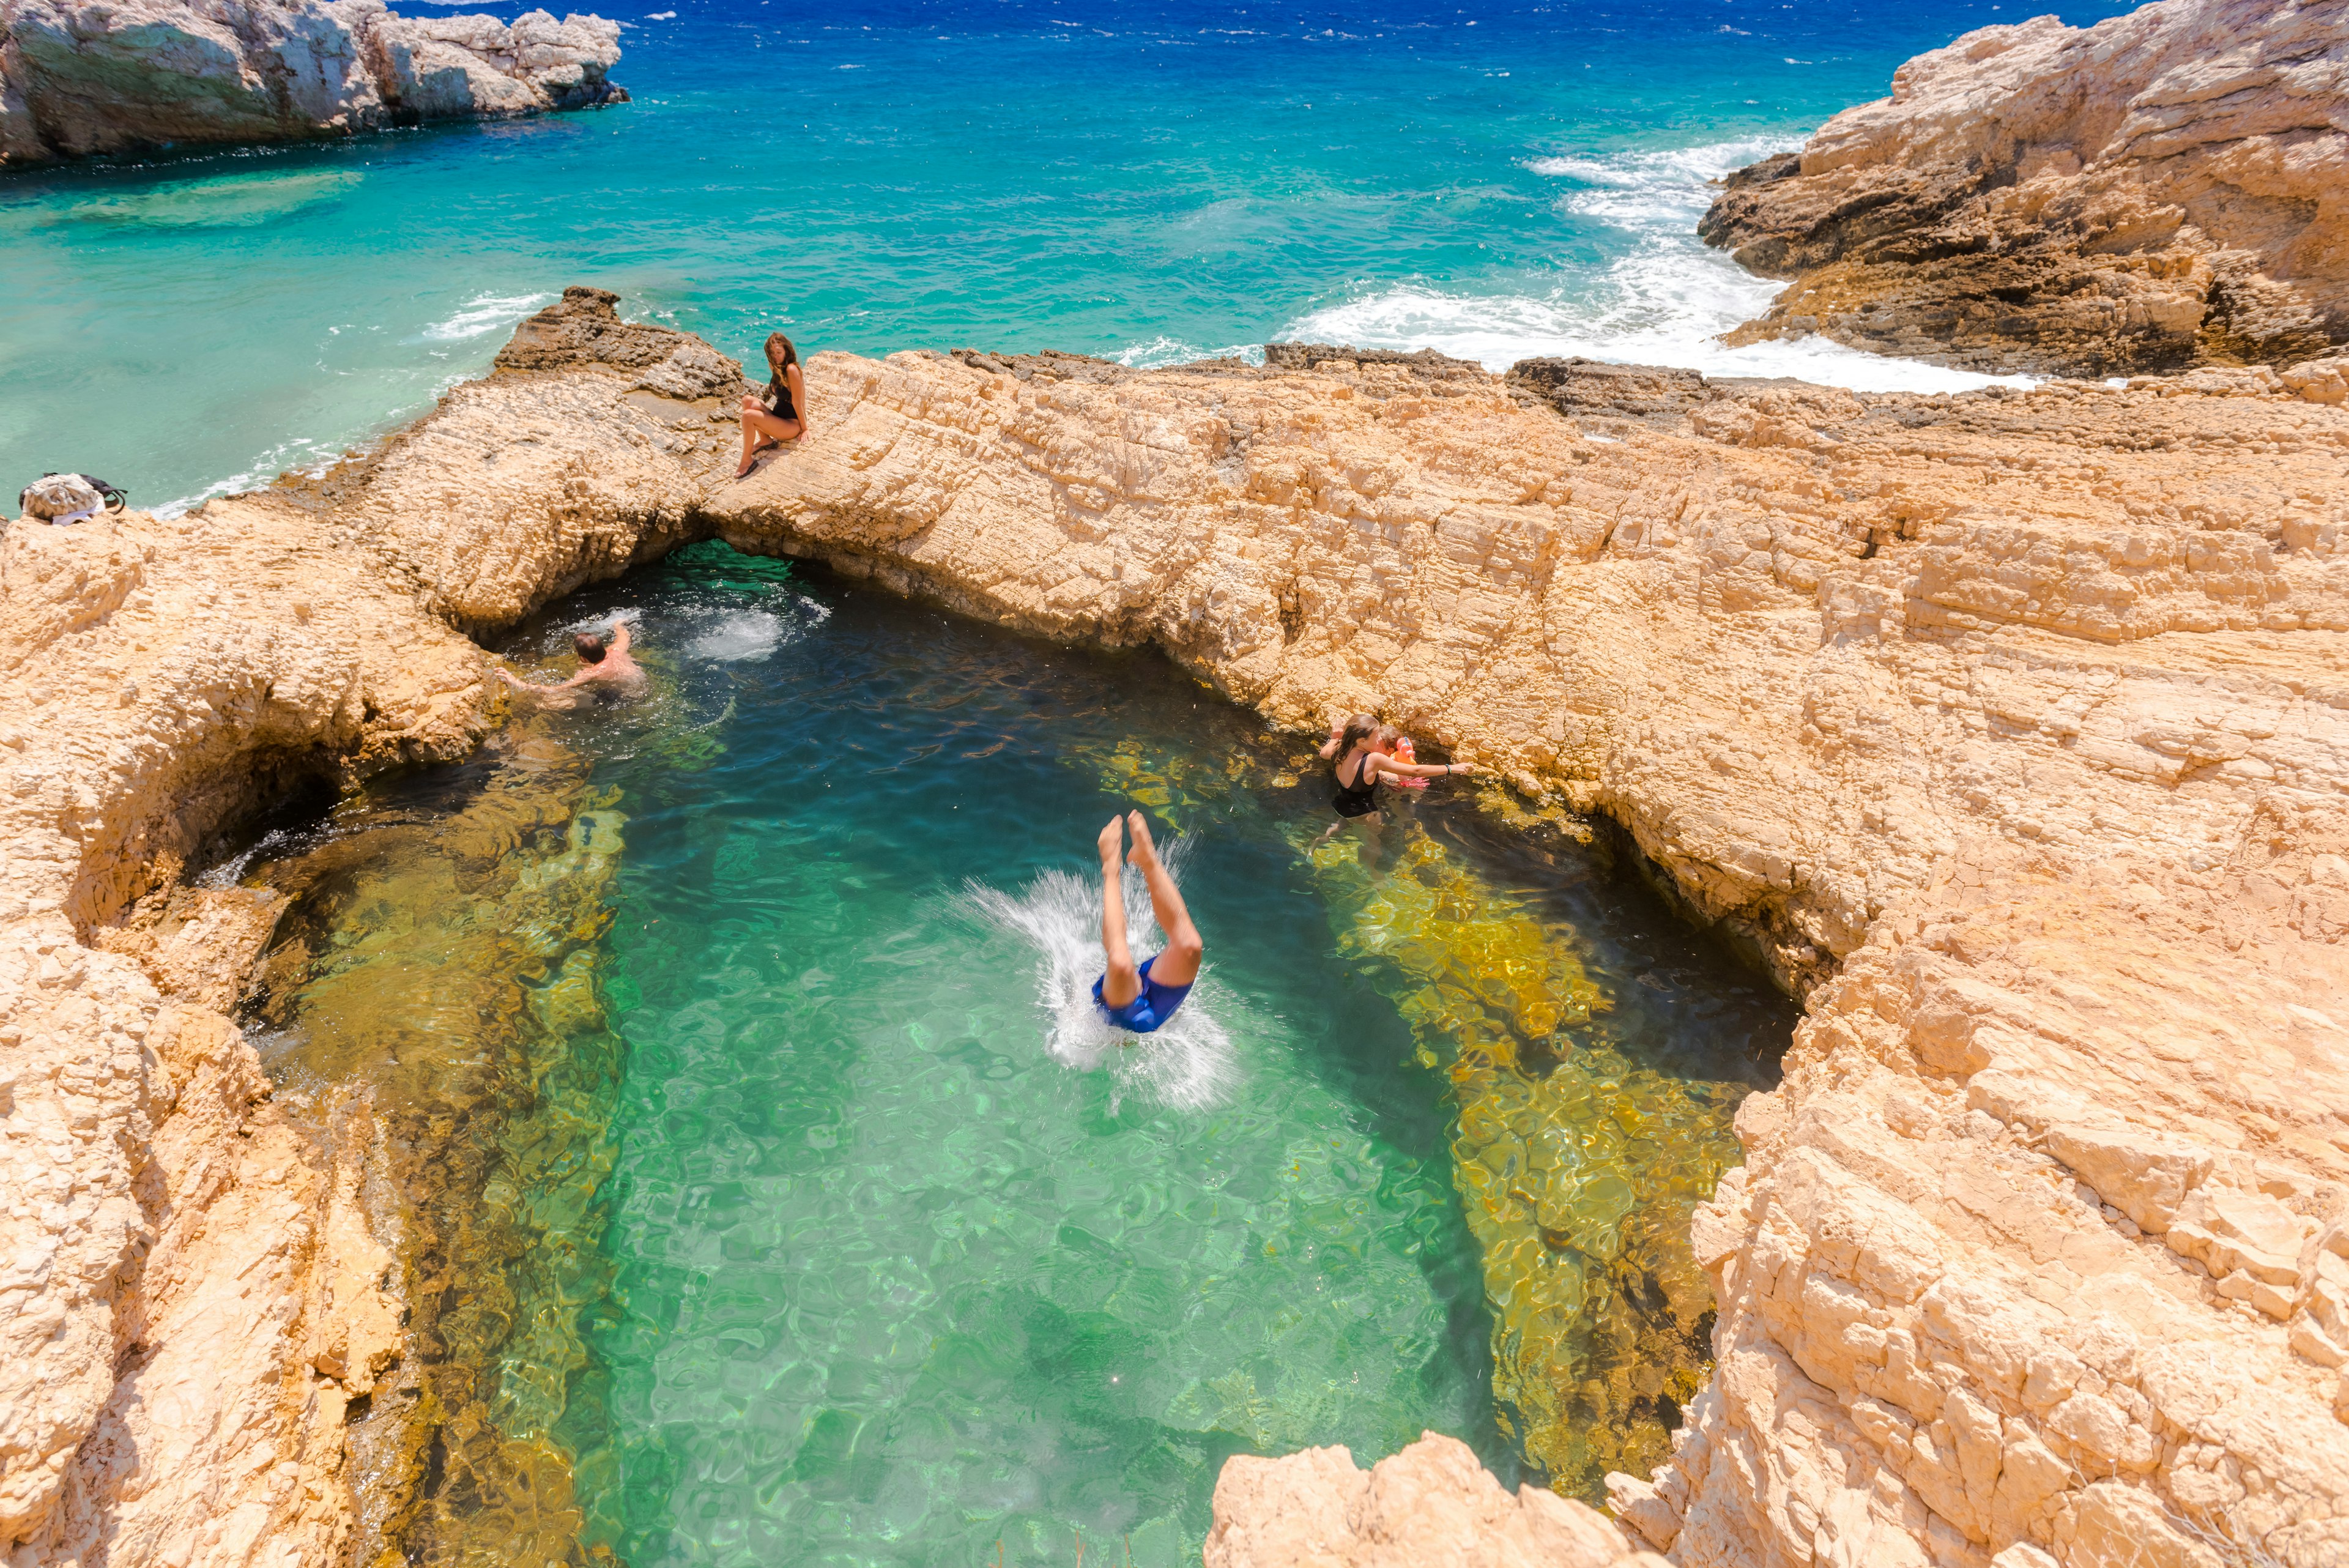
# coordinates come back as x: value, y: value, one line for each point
x: 1578, y: 1166
x: 2160, y: 191
x: 80, y: 78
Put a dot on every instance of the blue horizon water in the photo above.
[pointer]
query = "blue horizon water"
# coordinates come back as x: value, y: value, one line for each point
x: 1150, y: 182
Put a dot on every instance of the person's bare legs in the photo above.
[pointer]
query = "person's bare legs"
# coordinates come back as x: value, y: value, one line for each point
x: 1178, y: 964
x: 759, y: 429
x: 1370, y: 821
x: 1120, y: 982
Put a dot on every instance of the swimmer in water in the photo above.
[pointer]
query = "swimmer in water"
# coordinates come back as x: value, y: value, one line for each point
x: 1362, y: 748
x: 1140, y: 999
x: 606, y: 670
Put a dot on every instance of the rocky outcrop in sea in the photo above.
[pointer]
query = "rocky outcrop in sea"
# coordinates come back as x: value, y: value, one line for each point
x: 80, y: 77
x: 2010, y: 731
x: 2161, y: 191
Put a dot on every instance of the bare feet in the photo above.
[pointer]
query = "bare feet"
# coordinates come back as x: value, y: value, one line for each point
x: 1145, y: 854
x: 1109, y: 843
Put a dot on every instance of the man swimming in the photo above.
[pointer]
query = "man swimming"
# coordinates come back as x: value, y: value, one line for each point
x: 606, y: 670
x: 1139, y: 999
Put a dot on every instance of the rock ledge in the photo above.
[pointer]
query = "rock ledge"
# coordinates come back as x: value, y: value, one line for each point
x: 2160, y: 191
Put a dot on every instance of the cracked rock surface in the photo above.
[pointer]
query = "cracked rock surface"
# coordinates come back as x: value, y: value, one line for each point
x: 2166, y: 189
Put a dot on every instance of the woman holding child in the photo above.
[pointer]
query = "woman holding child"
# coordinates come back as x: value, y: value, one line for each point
x: 1363, y: 752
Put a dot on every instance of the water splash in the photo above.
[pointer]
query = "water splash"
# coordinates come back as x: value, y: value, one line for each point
x: 732, y: 636
x: 1187, y: 1064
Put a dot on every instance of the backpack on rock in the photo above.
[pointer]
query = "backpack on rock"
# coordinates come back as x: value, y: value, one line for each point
x: 62, y: 498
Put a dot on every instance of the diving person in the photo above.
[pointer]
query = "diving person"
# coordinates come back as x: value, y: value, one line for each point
x: 1141, y: 998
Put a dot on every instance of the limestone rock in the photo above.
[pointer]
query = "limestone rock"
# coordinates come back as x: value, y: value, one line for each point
x: 192, y: 1296
x: 1593, y: 389
x: 2247, y: 1232
x: 2162, y: 190
x: 2007, y: 729
x: 84, y: 77
x: 2143, y: 1175
x: 1430, y: 1506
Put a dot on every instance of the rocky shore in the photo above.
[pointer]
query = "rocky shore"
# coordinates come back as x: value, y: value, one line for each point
x: 2158, y: 192
x: 80, y: 77
x: 2010, y: 731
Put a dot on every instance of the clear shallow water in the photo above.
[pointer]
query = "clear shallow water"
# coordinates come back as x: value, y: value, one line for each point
x: 762, y: 1193
x: 908, y: 1264
x: 1152, y: 182
x: 907, y: 1261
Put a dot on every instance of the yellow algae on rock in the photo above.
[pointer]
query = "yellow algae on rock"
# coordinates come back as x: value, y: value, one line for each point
x: 1576, y: 1167
x: 447, y: 968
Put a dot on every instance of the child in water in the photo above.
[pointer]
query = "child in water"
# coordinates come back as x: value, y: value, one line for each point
x: 1140, y: 999
x: 1399, y: 747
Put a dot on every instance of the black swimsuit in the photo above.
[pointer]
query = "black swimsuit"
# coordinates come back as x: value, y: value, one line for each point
x: 1354, y: 799
x: 779, y: 399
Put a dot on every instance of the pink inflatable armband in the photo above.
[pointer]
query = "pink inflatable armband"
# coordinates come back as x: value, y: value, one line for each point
x: 1404, y: 754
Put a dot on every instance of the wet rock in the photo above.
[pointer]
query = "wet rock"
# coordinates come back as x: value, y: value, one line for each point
x: 582, y: 330
x: 1581, y: 387
x: 1050, y: 365
x: 1310, y: 356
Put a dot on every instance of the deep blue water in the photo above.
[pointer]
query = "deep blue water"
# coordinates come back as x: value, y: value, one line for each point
x: 1146, y: 180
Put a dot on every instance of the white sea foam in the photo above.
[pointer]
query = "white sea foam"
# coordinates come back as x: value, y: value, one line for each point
x: 302, y: 455
x: 483, y: 313
x: 731, y: 636
x: 714, y: 634
x: 1667, y: 302
x: 1186, y: 1066
x: 1164, y: 350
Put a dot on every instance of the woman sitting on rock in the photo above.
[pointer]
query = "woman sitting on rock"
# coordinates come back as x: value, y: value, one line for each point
x: 781, y: 414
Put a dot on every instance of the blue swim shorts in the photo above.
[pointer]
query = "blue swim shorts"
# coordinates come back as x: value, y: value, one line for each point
x: 1147, y: 1012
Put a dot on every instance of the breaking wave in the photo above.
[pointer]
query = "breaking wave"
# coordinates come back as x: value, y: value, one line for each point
x: 483, y: 313
x: 1667, y: 302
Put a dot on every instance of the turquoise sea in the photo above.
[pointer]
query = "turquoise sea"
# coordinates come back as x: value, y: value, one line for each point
x: 1150, y: 182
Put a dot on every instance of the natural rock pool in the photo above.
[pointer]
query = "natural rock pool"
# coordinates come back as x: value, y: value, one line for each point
x: 764, y: 1194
